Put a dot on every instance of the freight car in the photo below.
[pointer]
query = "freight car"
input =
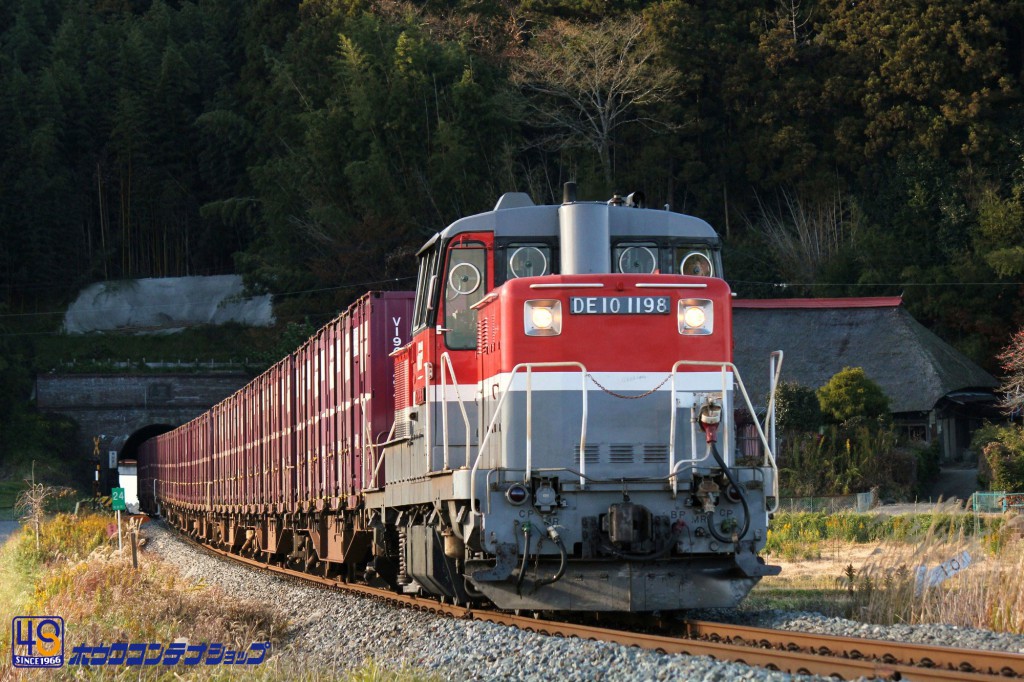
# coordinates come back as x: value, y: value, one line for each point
x: 549, y: 422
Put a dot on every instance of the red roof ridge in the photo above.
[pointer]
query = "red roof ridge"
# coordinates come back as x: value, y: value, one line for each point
x: 792, y: 303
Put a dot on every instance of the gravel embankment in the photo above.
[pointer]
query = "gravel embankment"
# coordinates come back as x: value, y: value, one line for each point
x: 332, y: 630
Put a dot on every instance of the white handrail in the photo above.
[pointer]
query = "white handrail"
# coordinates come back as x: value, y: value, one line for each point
x: 380, y: 456
x: 368, y: 446
x: 672, y: 464
x: 774, y: 371
x: 770, y: 419
x: 769, y: 455
x: 446, y: 362
x: 529, y: 425
x: 428, y: 422
x: 497, y: 410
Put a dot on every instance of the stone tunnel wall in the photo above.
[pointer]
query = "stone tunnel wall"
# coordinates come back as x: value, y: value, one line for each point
x: 110, y: 408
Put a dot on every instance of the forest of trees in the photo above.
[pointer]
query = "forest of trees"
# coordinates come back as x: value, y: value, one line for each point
x: 868, y: 147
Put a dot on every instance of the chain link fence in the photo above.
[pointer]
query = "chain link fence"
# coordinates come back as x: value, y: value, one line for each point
x: 860, y: 502
x: 997, y: 502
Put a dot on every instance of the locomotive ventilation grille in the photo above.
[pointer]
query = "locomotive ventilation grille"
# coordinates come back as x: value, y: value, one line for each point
x: 401, y: 386
x: 483, y: 333
x: 624, y: 453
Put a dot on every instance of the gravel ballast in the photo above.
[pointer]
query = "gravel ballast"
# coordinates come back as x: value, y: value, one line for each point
x: 331, y: 630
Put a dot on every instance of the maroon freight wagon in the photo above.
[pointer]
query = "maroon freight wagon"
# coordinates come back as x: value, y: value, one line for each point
x: 302, y: 436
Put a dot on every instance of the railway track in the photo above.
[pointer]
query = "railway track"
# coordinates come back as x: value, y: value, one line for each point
x: 792, y: 652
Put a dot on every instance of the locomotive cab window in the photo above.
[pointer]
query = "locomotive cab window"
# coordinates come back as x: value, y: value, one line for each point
x: 465, y: 284
x: 528, y: 260
x: 515, y: 258
x: 426, y: 287
x: 695, y: 261
x: 635, y: 258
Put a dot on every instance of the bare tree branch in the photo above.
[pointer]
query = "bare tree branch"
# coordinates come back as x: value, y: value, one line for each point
x: 585, y: 82
x: 804, y: 234
x: 31, y: 505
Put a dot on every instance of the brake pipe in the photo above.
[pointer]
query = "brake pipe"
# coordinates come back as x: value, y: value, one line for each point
x: 563, y: 560
x: 526, y: 557
x: 743, y: 501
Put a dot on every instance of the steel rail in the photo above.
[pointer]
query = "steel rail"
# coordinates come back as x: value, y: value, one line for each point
x: 826, y: 657
x: 1001, y: 663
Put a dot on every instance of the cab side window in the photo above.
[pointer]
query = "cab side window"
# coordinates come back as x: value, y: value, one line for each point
x: 426, y: 286
x: 465, y: 285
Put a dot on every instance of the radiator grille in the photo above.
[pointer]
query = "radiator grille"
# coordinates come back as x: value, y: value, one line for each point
x: 620, y: 453
x: 483, y: 334
x: 401, y: 384
x: 402, y: 399
x: 592, y: 456
x: 655, y: 453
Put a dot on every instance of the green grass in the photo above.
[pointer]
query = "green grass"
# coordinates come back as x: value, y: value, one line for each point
x: 798, y: 535
x: 809, y: 598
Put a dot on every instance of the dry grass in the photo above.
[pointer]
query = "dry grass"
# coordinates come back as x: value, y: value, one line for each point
x: 78, y: 574
x: 877, y: 581
x: 989, y: 593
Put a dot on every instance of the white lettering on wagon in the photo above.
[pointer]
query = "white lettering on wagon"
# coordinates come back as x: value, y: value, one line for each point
x: 397, y: 340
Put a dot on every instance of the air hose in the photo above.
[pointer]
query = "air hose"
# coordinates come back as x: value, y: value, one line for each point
x: 526, y: 556
x: 743, y: 500
x: 563, y: 559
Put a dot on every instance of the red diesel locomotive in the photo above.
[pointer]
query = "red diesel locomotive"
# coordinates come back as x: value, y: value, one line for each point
x: 546, y: 423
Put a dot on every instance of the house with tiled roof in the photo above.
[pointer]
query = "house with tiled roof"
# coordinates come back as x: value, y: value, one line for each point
x: 935, y: 392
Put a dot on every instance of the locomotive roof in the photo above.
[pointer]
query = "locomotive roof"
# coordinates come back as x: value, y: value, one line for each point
x: 515, y: 215
x: 820, y: 337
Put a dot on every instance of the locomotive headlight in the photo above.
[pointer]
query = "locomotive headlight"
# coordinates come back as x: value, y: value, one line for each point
x: 542, y: 317
x: 696, y: 316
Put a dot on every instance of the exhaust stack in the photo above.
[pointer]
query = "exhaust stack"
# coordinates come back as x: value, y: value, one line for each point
x: 585, y: 235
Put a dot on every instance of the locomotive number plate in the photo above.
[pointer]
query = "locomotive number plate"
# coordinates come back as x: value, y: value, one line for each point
x: 619, y: 305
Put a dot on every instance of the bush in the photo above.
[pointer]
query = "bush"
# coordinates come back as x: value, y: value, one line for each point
x: 850, y: 393
x: 64, y: 537
x: 852, y: 457
x: 800, y: 528
x: 928, y: 466
x: 796, y: 408
x: 1004, y: 457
